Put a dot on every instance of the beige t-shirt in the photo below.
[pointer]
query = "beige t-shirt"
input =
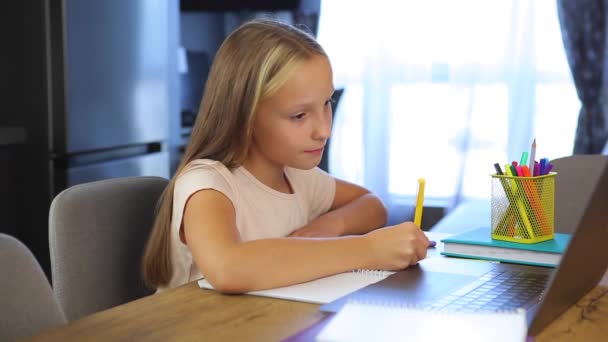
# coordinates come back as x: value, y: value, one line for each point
x: 261, y: 212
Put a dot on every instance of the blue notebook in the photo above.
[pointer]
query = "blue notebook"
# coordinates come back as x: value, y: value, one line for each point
x: 478, y: 244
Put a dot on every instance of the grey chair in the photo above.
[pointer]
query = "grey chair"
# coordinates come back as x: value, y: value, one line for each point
x: 576, y: 177
x: 27, y: 303
x: 97, y: 233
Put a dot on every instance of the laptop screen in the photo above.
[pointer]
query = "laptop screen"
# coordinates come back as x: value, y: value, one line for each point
x: 584, y: 262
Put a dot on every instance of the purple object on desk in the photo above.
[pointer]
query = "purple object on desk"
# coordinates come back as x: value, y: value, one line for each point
x: 432, y: 243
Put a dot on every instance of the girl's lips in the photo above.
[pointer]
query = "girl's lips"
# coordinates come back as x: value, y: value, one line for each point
x: 317, y: 151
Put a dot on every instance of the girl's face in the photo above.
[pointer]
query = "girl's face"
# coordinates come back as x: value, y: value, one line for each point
x: 292, y: 126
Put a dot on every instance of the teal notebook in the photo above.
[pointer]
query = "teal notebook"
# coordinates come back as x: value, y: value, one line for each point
x: 478, y: 244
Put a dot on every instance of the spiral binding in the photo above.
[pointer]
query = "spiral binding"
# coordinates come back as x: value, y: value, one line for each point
x: 374, y: 273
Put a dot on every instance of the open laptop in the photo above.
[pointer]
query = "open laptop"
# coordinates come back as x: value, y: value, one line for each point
x: 444, y: 283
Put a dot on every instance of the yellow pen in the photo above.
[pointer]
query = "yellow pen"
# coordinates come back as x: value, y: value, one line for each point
x: 419, y: 203
x: 520, y: 205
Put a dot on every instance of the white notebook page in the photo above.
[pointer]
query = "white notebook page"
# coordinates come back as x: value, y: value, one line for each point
x: 320, y: 291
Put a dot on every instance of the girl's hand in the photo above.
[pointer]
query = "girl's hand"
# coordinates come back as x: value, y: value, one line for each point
x: 397, y: 247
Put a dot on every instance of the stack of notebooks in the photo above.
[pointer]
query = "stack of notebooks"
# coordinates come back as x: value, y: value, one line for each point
x: 478, y: 244
x: 376, y: 322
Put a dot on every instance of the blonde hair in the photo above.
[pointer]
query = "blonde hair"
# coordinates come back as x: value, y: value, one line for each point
x: 252, y: 63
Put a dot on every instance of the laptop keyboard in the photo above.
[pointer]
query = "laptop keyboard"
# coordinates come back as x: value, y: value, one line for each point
x: 494, y: 291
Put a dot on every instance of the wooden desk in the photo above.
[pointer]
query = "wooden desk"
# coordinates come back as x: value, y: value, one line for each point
x: 191, y: 313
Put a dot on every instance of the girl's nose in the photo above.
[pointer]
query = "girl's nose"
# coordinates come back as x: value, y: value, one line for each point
x: 323, y: 126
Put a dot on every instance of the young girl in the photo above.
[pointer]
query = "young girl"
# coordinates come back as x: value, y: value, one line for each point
x: 248, y: 208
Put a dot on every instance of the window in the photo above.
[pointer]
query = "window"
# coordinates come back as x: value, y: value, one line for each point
x: 443, y: 90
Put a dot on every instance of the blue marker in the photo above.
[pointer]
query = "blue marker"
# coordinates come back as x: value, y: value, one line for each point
x: 543, y: 163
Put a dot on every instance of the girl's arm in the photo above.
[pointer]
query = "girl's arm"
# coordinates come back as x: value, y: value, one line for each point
x: 234, y: 266
x: 354, y: 211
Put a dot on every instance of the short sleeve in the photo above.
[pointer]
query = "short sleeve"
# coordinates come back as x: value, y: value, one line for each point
x: 195, y: 178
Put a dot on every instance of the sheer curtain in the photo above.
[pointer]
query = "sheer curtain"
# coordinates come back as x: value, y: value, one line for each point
x: 443, y: 90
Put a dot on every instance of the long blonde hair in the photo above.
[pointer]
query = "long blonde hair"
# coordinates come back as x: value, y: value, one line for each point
x: 252, y: 63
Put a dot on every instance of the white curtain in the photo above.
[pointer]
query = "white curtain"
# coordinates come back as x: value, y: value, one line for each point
x: 444, y: 89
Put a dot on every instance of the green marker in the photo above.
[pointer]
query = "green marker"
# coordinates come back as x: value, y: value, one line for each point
x: 524, y: 158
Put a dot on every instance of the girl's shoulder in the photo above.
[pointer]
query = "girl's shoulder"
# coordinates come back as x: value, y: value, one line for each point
x: 205, y: 170
x: 204, y: 165
x: 204, y: 174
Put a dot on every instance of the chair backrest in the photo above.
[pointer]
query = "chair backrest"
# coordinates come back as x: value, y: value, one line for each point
x: 97, y: 233
x: 576, y: 177
x: 27, y: 303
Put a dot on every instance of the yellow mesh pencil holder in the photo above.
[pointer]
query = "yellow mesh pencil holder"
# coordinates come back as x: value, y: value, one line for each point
x: 523, y: 208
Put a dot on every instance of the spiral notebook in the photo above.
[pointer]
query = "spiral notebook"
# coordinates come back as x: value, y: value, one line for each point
x: 358, y: 321
x: 322, y: 290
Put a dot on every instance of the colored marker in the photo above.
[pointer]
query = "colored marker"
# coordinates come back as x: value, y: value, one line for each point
x: 513, y: 171
x: 524, y: 158
x: 543, y: 165
x: 498, y: 169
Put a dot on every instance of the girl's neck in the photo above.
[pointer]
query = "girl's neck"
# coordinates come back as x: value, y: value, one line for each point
x: 272, y: 176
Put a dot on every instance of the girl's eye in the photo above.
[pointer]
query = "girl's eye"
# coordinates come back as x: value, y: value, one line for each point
x: 298, y: 116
